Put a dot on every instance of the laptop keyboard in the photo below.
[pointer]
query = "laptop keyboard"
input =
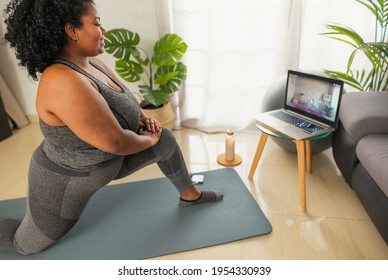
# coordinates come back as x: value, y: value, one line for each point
x: 298, y: 122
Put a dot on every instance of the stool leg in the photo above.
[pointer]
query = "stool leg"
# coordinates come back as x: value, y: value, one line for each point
x: 308, y: 157
x: 300, y: 146
x: 259, y: 150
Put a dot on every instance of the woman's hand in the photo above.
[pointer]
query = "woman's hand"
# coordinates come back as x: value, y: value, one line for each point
x: 150, y: 124
x: 153, y: 136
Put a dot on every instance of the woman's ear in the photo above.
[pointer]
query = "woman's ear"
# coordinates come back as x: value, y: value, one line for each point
x: 71, y: 32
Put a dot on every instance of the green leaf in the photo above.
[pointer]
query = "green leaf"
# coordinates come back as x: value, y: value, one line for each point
x: 379, y: 8
x: 164, y: 79
x: 121, y: 43
x: 129, y: 70
x: 375, y: 77
x: 132, y: 67
x: 377, y: 53
x: 169, y: 50
x: 155, y: 97
x: 170, y: 77
x: 341, y: 30
x: 349, y: 80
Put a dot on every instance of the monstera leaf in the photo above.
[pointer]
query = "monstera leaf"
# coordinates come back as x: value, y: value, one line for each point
x: 156, y: 97
x: 169, y: 50
x: 161, y: 74
x: 129, y: 70
x: 121, y: 43
x: 170, y: 77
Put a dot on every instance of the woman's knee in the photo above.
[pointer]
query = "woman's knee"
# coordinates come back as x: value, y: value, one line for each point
x: 29, y: 239
x: 168, y: 136
x: 166, y: 145
x: 163, y: 150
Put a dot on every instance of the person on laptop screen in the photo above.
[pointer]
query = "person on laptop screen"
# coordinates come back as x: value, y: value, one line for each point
x: 311, y: 106
x: 313, y: 96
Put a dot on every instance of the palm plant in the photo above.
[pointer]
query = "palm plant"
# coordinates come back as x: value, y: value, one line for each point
x: 376, y: 79
x: 161, y: 74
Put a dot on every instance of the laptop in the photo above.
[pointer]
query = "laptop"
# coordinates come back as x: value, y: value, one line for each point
x: 311, y: 106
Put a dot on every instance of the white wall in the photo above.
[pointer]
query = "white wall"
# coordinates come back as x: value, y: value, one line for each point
x: 136, y: 15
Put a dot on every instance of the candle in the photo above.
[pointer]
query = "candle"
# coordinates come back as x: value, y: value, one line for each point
x: 229, y: 145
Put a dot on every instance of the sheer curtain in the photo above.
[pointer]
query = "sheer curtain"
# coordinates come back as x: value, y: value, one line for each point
x: 237, y: 49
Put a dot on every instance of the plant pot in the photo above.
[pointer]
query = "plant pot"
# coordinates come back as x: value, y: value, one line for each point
x: 165, y: 114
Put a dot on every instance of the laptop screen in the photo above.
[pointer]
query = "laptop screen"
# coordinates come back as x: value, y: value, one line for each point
x: 314, y: 96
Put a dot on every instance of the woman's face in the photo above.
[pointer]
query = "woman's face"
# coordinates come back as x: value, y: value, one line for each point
x: 91, y: 34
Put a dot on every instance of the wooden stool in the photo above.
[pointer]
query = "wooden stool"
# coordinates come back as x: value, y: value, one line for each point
x: 303, y: 148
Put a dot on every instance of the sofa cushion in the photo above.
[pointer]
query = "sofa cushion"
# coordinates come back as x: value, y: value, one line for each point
x: 364, y: 113
x: 372, y: 151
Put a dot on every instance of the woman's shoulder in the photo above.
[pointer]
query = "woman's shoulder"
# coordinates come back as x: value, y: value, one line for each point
x: 60, y: 87
x: 58, y: 75
x: 60, y: 81
x: 57, y: 70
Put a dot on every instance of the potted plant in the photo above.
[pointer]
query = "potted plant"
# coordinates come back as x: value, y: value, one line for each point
x: 376, y: 78
x: 159, y: 75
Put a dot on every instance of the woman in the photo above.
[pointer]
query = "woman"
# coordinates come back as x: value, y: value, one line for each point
x: 94, y: 129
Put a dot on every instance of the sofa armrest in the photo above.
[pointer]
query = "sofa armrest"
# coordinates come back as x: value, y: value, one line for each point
x: 364, y: 113
x: 344, y: 152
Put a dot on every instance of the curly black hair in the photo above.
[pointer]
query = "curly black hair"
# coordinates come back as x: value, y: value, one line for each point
x: 35, y: 29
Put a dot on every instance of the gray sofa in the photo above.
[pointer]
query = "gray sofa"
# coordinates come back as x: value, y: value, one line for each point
x: 360, y: 149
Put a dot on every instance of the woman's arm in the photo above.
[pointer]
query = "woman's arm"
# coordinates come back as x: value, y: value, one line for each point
x: 72, y: 99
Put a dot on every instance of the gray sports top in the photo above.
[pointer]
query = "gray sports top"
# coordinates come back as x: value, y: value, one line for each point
x: 64, y: 148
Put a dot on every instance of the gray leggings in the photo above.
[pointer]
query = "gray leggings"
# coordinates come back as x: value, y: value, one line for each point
x: 57, y: 196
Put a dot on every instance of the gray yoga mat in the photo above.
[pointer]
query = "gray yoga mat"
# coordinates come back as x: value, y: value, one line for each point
x: 142, y: 219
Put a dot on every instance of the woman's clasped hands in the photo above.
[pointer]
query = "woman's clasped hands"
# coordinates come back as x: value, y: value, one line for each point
x: 150, y: 124
x: 150, y: 127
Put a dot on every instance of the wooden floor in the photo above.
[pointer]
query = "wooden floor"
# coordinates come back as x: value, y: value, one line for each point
x: 335, y: 225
